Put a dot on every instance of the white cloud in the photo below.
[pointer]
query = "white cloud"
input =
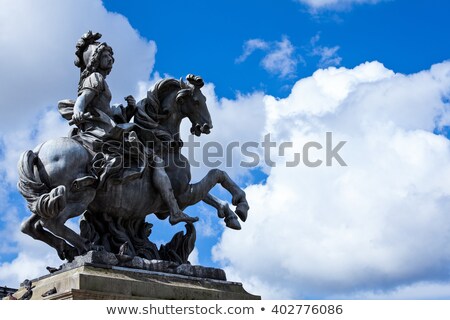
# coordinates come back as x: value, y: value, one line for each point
x: 193, y: 257
x: 280, y: 58
x: 328, y: 55
x: 251, y: 46
x: 32, y: 258
x: 379, y: 224
x: 209, y: 225
x: 335, y: 4
x: 416, y: 291
x: 10, y: 221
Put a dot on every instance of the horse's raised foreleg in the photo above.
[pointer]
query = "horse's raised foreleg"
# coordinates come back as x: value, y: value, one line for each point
x: 223, y: 211
x: 33, y: 227
x: 198, y: 192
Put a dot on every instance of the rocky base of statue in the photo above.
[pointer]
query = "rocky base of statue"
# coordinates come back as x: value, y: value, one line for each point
x: 101, y: 276
x: 131, y: 238
x: 109, y: 260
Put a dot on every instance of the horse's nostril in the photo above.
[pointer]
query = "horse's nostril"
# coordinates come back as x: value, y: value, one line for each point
x: 196, y: 129
x: 205, y: 128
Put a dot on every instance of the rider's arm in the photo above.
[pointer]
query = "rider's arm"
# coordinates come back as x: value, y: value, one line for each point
x: 92, y: 86
x: 83, y: 101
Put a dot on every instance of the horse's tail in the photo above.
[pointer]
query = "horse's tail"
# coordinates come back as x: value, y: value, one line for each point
x: 41, y: 198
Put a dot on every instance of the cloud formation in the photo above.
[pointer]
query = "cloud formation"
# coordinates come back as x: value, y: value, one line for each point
x: 280, y: 57
x: 380, y: 224
x: 328, y: 55
x: 251, y: 46
x: 334, y: 4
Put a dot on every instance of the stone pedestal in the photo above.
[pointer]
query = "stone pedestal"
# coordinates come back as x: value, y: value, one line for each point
x: 89, y: 282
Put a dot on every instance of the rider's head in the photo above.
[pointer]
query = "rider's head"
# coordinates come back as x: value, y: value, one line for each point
x: 92, y: 55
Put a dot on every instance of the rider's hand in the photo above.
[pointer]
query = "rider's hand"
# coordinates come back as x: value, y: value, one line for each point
x: 131, y: 101
x: 77, y: 118
x: 80, y: 117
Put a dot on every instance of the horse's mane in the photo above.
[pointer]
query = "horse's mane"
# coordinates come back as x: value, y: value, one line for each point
x: 153, y: 107
x: 155, y: 97
x: 151, y: 110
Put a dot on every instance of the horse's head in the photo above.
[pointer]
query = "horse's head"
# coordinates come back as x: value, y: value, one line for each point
x: 192, y: 104
x: 172, y: 100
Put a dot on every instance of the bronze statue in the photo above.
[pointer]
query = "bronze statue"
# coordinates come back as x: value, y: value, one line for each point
x: 115, y: 172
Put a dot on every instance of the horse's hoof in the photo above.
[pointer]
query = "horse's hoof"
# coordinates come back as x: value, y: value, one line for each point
x: 62, y: 255
x: 70, y: 254
x: 232, y: 223
x: 224, y: 211
x: 242, y: 211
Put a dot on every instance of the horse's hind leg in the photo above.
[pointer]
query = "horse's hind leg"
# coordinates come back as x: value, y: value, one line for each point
x: 33, y: 227
x: 77, y: 204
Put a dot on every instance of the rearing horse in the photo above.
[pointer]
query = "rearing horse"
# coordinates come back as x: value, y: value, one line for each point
x: 55, y: 180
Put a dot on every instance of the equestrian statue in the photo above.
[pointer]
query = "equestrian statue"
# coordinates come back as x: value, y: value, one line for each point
x: 120, y: 164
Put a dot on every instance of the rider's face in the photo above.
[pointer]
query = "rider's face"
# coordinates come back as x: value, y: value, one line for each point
x: 106, y: 60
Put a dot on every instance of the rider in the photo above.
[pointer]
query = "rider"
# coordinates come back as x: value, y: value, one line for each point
x: 100, y: 125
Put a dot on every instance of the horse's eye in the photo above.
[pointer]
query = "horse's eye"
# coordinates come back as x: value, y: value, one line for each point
x: 196, y: 102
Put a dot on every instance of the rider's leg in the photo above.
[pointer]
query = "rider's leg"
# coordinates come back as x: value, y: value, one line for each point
x: 164, y: 187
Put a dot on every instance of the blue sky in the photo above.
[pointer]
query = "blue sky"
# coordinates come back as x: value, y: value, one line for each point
x: 374, y: 73
x: 407, y: 36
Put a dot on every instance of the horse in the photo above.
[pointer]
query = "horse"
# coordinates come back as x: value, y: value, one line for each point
x: 54, y: 179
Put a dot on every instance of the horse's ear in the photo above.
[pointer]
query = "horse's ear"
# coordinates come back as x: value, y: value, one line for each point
x: 196, y: 81
x: 182, y: 84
